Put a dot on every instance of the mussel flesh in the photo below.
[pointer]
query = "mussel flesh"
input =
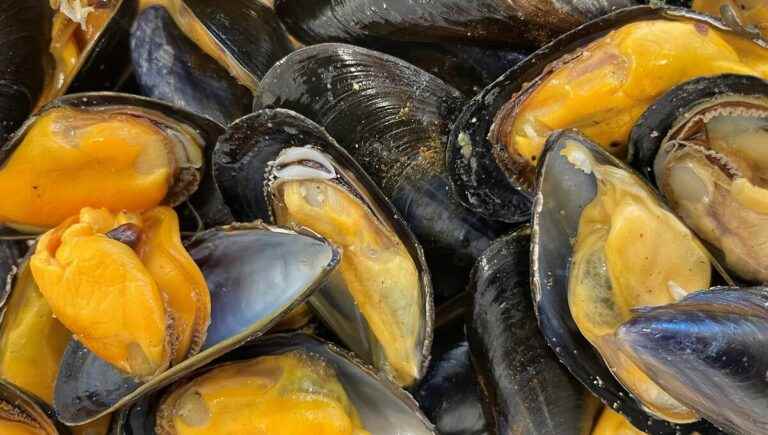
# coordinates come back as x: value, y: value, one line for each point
x: 613, y: 423
x: 704, y: 143
x: 604, y: 245
x: 280, y: 166
x: 598, y: 79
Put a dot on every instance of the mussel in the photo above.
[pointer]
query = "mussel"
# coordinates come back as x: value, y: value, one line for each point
x: 21, y: 414
x: 284, y: 384
x: 599, y: 79
x: 604, y: 245
x: 393, y: 119
x: 703, y: 143
x: 117, y: 151
x: 206, y: 56
x: 255, y: 273
x: 708, y: 351
x: 749, y: 15
x: 613, y: 423
x: 488, y: 22
x: 526, y: 390
x: 279, y: 166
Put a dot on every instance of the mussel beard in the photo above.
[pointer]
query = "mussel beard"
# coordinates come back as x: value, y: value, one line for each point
x: 629, y: 252
x: 713, y: 167
x: 291, y: 394
x: 376, y: 268
x: 120, y: 158
x: 76, y: 26
x: 604, y: 88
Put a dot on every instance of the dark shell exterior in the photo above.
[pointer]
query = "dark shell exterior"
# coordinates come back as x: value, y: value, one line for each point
x: 526, y: 389
x: 384, y: 408
x: 170, y: 67
x: 393, y: 119
x: 710, y: 352
x: 563, y: 191
x: 244, y: 267
x: 240, y: 166
x: 654, y: 125
x: 481, y: 173
x: 501, y: 23
x: 33, y: 407
x: 25, y: 35
x: 11, y: 253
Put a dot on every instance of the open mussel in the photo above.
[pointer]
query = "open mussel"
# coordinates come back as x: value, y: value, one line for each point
x: 206, y: 56
x: 524, y: 23
x: 393, y: 119
x: 599, y: 79
x: 604, y: 245
x: 116, y: 151
x: 708, y: 351
x: 704, y: 144
x: 526, y: 389
x: 21, y: 414
x: 278, y: 385
x: 255, y: 274
x: 279, y: 166
x: 748, y: 15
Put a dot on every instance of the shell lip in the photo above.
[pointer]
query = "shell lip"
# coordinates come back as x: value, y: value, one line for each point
x: 493, y: 182
x: 33, y: 406
x: 549, y: 283
x: 75, y: 406
x: 272, y: 118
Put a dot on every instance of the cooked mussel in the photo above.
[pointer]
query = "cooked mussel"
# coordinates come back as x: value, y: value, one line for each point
x: 526, y: 389
x: 604, y: 245
x: 282, y: 167
x: 749, y: 15
x: 704, y: 143
x: 524, y: 23
x: 255, y: 274
x: 116, y: 151
x: 598, y: 79
x: 278, y: 385
x: 206, y: 56
x: 393, y: 119
x: 20, y: 414
x: 708, y: 351
x: 613, y: 423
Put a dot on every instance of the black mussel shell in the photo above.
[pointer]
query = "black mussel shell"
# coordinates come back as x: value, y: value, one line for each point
x: 393, y: 119
x: 384, y: 409
x: 170, y: 67
x: 526, y: 389
x: 477, y: 162
x: 653, y: 127
x: 24, y: 34
x: 32, y: 408
x: 562, y: 192
x: 526, y: 23
x: 11, y: 253
x: 241, y: 166
x: 256, y: 274
x: 709, y: 351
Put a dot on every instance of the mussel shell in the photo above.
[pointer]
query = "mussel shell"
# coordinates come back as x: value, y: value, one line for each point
x: 709, y: 351
x: 11, y: 252
x: 25, y: 34
x: 563, y: 191
x: 244, y: 304
x: 202, y: 194
x: 525, y: 388
x: 170, y: 67
x: 653, y: 126
x: 478, y: 163
x: 104, y: 65
x: 384, y: 409
x: 33, y: 407
x: 526, y: 23
x: 240, y: 164
x: 393, y: 119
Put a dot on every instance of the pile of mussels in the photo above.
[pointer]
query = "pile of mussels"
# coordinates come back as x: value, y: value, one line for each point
x: 386, y: 217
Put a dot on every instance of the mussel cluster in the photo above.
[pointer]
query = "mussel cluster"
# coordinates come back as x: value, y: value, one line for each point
x: 384, y: 217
